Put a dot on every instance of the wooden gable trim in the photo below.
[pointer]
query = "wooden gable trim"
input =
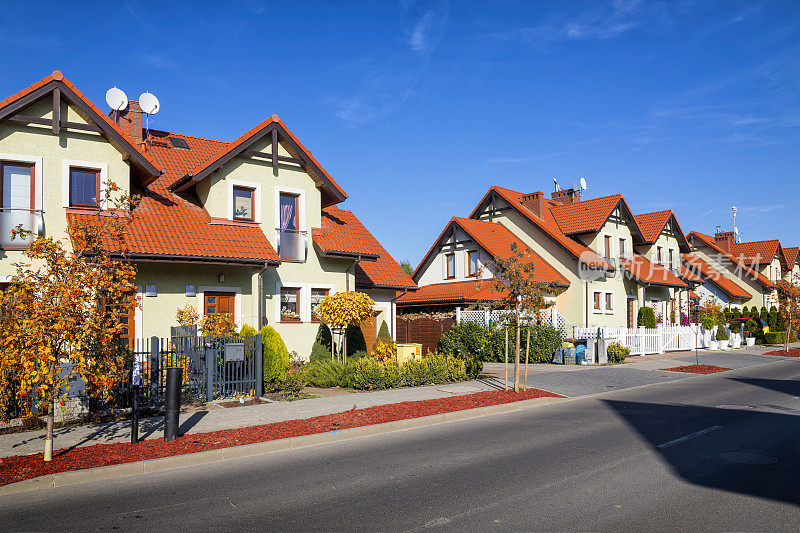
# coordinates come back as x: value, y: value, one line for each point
x: 59, y: 89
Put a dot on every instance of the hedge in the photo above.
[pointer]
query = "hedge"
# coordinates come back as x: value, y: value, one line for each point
x: 775, y: 337
x: 321, y: 350
x: 488, y: 344
x: 646, y: 317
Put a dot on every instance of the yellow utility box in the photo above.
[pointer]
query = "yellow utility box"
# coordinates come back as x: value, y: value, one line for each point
x: 408, y: 351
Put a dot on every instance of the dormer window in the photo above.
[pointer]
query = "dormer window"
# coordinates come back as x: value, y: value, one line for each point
x: 84, y: 187
x: 243, y: 203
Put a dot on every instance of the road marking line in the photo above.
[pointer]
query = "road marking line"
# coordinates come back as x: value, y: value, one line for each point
x: 689, y: 436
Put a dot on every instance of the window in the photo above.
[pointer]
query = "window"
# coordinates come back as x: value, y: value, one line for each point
x: 84, y: 187
x: 288, y: 212
x: 659, y: 256
x: 219, y: 303
x: 317, y: 295
x: 290, y: 304
x: 598, y: 301
x: 607, y: 249
x: 472, y: 263
x: 243, y: 203
x: 450, y: 265
x: 621, y: 248
x: 17, y: 185
x: 671, y: 259
x: 179, y: 143
x: 609, y: 302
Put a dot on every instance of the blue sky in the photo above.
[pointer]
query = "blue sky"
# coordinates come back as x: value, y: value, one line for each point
x: 416, y: 108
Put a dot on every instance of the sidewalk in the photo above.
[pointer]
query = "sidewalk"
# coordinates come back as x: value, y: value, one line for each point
x: 569, y: 380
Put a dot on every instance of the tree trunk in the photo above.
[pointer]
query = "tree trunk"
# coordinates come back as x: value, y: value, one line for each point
x: 516, y: 357
x: 788, y: 333
x: 527, y: 353
x: 506, y: 329
x: 344, y: 346
x: 48, y: 439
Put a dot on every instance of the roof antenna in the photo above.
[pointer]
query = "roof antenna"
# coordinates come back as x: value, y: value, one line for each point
x: 150, y: 106
x: 555, y: 183
x: 735, y: 229
x: 719, y: 228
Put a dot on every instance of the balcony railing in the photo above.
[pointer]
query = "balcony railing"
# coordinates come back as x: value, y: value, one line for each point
x: 29, y: 219
x: 292, y: 244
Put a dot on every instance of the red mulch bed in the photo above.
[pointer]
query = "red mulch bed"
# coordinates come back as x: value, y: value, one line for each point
x: 697, y: 369
x: 20, y: 467
x: 793, y: 352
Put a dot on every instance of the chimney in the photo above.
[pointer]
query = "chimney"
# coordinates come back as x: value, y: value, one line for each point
x: 566, y: 196
x: 535, y: 202
x: 724, y: 239
x: 130, y: 121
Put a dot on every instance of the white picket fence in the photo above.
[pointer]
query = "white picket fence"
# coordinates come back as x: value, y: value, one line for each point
x: 646, y: 341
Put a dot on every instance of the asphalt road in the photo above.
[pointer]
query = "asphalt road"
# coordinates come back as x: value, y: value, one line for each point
x: 669, y: 456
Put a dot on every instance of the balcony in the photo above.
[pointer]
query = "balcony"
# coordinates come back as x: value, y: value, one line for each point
x: 29, y: 219
x: 292, y: 244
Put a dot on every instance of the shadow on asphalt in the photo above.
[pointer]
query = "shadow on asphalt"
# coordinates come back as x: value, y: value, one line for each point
x: 697, y: 460
x: 786, y: 386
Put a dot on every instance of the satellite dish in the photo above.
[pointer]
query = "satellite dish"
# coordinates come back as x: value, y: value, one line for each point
x: 583, y: 184
x: 149, y: 103
x: 116, y: 99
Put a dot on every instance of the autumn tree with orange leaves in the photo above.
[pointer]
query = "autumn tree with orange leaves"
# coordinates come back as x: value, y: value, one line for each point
x: 789, y: 300
x: 63, y: 313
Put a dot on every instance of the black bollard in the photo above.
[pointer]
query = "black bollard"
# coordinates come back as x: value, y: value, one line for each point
x: 173, y: 403
x: 135, y: 409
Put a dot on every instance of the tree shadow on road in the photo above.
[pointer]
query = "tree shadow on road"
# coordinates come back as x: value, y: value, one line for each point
x: 703, y: 460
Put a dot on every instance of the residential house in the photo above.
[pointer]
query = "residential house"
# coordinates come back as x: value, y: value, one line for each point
x: 791, y: 272
x: 250, y: 227
x: 595, y: 245
x: 753, y: 267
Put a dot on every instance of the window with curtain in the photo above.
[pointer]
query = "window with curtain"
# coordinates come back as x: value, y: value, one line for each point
x: 290, y: 305
x: 450, y: 264
x: 317, y: 295
x: 243, y: 203
x: 84, y: 187
x: 288, y: 212
x: 17, y: 185
x: 472, y: 262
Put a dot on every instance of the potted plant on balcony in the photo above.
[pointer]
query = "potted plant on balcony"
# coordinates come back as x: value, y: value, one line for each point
x: 722, y: 337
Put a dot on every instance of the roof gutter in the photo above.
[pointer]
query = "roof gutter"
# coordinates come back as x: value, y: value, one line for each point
x: 198, y: 259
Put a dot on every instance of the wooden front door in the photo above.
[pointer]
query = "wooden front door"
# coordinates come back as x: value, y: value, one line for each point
x: 631, y: 317
x: 219, y: 302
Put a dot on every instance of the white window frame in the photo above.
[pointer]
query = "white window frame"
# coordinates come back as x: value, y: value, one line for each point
x: 256, y: 198
x: 237, y: 300
x: 445, y: 258
x: 38, y: 194
x: 66, y: 164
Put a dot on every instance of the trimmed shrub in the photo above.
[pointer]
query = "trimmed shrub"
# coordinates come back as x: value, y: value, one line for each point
x: 745, y: 311
x: 383, y: 335
x: 754, y: 314
x: 773, y: 319
x: 707, y: 323
x: 722, y: 335
x: 646, y: 317
x: 764, y: 315
x: 384, y: 350
x: 617, y: 353
x: 321, y: 350
x: 751, y: 328
x: 489, y: 344
x: 361, y: 354
x: 323, y: 374
x: 736, y: 313
x: 247, y: 331
x: 355, y: 341
x: 780, y: 322
x: 275, y: 356
x: 775, y: 337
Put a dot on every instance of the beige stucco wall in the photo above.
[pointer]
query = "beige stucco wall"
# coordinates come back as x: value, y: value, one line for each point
x: 38, y: 141
x: 433, y: 270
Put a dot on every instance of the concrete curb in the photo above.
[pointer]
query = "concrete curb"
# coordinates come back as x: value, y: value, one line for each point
x: 64, y: 479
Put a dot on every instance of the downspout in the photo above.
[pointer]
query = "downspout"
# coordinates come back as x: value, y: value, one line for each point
x: 261, y: 297
x: 347, y: 276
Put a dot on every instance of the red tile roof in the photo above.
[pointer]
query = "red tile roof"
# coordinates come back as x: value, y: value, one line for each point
x: 652, y: 224
x: 737, y: 260
x: 585, y: 216
x: 451, y: 293
x: 651, y: 273
x: 790, y: 255
x: 548, y: 225
x: 344, y: 234
x: 716, y: 277
x: 757, y: 252
x: 689, y: 275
